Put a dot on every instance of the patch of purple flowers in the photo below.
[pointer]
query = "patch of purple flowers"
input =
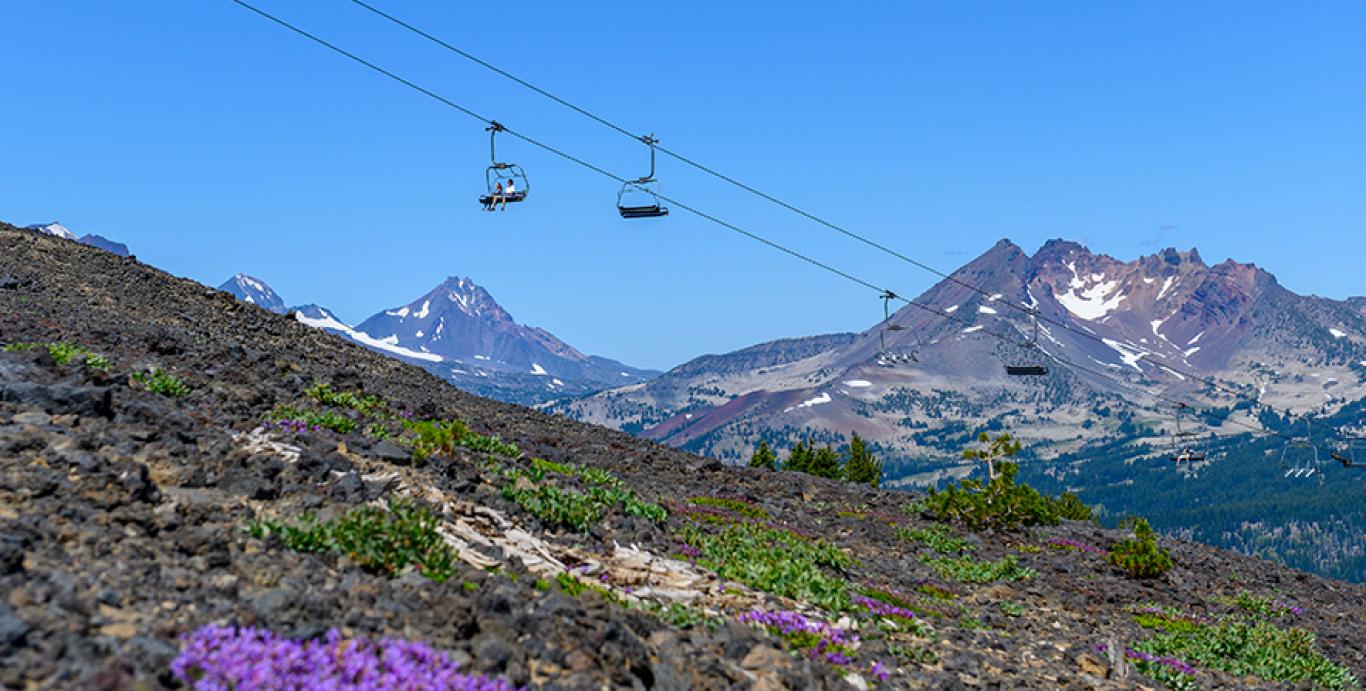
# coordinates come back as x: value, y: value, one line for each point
x: 689, y: 551
x: 1283, y: 608
x: 1064, y: 543
x: 878, y: 671
x: 820, y: 640
x: 1175, y: 664
x: 884, y: 609
x: 296, y: 426
x: 251, y: 659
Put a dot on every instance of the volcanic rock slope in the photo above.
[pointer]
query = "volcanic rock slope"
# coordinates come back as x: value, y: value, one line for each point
x: 122, y: 516
x: 1137, y: 320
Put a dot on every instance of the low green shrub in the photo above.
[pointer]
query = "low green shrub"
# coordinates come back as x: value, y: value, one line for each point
x: 969, y: 570
x: 368, y: 405
x: 1140, y: 556
x: 443, y: 437
x: 999, y: 504
x: 378, y: 540
x: 302, y: 420
x: 938, y: 538
x: 775, y: 561
x: 162, y: 382
x: 65, y: 353
x: 1257, y: 648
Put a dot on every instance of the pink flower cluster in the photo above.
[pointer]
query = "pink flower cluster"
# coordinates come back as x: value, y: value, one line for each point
x: 821, y: 640
x: 251, y: 659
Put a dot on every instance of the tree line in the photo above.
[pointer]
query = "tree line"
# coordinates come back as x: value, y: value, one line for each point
x: 855, y: 464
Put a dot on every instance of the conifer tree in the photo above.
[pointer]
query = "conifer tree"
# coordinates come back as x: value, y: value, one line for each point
x: 800, y: 458
x: 861, y: 465
x: 763, y: 457
x: 825, y: 463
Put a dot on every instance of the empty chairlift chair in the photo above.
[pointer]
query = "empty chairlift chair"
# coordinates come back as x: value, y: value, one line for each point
x: 504, y: 174
x: 885, y: 357
x: 1030, y: 362
x: 1305, y: 462
x: 639, y: 198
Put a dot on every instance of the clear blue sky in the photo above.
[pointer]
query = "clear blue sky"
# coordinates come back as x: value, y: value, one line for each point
x: 214, y: 142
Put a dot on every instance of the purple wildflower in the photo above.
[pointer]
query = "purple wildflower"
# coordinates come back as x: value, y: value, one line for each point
x: 883, y: 609
x: 1175, y: 664
x: 250, y: 659
x: 822, y: 641
x: 878, y: 671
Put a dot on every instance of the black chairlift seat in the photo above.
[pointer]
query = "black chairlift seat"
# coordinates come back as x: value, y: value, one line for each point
x: 519, y: 195
x: 650, y: 211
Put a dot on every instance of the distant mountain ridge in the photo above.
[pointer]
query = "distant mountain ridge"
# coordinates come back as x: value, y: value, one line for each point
x: 460, y: 333
x: 56, y: 229
x: 1231, y: 321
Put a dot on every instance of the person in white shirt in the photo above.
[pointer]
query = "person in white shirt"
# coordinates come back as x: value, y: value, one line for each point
x: 508, y: 192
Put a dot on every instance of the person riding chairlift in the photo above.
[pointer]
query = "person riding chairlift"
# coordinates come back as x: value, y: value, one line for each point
x: 497, y: 196
x: 508, y: 192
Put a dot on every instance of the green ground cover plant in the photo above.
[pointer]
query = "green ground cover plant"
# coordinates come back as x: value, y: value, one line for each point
x: 304, y: 420
x: 159, y: 381
x: 66, y: 353
x: 775, y: 561
x: 378, y: 540
x: 1243, y: 646
x: 938, y: 538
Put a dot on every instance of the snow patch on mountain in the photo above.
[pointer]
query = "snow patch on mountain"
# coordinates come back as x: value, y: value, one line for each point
x: 819, y: 400
x: 54, y: 228
x: 1336, y: 333
x: 1090, y: 303
x: 858, y: 383
x: 331, y: 323
x: 1129, y: 355
x: 983, y: 309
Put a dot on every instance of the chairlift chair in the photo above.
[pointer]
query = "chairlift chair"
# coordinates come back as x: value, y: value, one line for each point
x: 1030, y: 364
x: 1296, y: 468
x: 639, y: 198
x: 885, y: 357
x: 1182, y: 451
x: 1349, y: 455
x: 502, y: 173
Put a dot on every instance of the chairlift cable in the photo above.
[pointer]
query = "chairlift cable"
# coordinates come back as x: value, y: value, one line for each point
x: 813, y: 217
x: 723, y: 223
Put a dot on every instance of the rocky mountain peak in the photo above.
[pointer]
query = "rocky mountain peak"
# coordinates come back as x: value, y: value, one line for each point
x: 254, y: 290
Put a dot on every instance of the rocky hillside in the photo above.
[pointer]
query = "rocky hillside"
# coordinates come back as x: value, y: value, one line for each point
x: 1136, y: 320
x: 175, y: 464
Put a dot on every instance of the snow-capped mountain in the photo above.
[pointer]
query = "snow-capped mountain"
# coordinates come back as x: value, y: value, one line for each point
x: 255, y: 291
x: 1137, y: 320
x: 56, y: 229
x: 458, y: 323
x: 460, y: 333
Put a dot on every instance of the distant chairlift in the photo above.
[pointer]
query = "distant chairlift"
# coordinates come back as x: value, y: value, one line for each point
x: 1349, y: 454
x: 1030, y: 362
x: 503, y: 173
x: 1182, y: 450
x: 639, y: 198
x: 1301, y: 465
x: 885, y: 357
